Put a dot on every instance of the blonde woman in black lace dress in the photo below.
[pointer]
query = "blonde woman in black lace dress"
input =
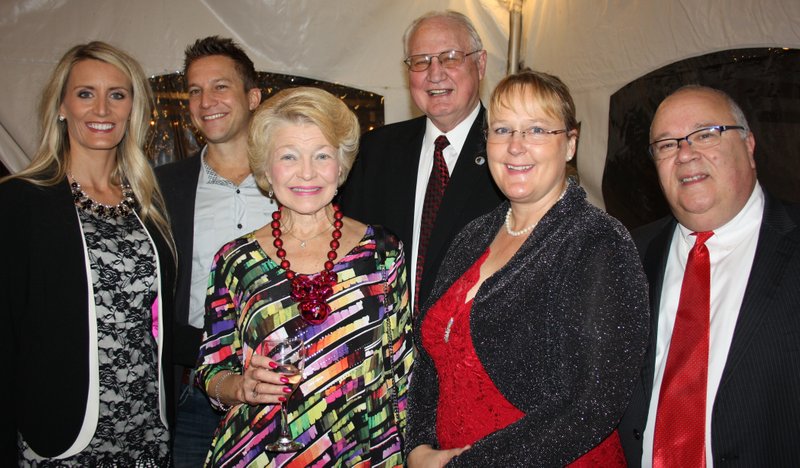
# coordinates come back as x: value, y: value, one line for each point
x: 89, y: 275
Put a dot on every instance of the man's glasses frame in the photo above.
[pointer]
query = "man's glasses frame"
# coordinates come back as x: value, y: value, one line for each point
x: 702, y: 138
x: 447, y: 59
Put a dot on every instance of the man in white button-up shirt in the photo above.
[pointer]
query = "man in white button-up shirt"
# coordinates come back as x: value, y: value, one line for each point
x: 703, y: 152
x: 212, y: 199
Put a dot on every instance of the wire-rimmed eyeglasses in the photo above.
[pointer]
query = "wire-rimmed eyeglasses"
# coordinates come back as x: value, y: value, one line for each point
x: 534, y: 135
x: 447, y: 59
x: 702, y: 138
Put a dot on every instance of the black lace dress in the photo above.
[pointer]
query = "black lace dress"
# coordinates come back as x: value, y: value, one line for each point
x: 129, y: 430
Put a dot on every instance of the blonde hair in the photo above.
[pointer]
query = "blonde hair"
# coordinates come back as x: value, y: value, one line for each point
x: 528, y: 87
x: 49, y: 164
x: 303, y: 105
x: 547, y: 91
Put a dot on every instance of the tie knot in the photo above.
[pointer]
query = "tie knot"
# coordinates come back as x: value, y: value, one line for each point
x: 441, y: 143
x: 702, y: 237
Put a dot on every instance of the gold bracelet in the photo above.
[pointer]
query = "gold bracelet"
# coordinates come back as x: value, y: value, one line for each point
x: 217, y: 388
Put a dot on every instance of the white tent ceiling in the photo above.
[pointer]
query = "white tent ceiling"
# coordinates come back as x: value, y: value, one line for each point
x: 595, y: 46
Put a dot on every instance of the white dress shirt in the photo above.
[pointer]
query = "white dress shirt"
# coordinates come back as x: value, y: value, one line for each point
x: 223, y: 211
x: 731, y: 252
x: 456, y: 137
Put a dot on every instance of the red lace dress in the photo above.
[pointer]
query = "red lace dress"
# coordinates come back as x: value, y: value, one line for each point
x: 470, y: 407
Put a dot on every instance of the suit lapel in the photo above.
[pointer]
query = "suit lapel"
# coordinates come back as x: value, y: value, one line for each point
x: 466, y: 175
x: 184, y: 198
x: 404, y: 155
x: 179, y: 186
x: 776, y: 246
x: 654, y: 261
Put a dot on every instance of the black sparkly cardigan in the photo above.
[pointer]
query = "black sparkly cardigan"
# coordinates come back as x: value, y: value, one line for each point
x: 561, y: 330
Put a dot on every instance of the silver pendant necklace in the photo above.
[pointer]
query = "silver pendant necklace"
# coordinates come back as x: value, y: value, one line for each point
x: 304, y: 241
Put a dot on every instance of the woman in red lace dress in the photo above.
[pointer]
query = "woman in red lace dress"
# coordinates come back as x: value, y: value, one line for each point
x: 532, y: 338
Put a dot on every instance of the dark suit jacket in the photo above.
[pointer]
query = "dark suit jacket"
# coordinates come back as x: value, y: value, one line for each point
x: 381, y: 188
x: 756, y: 414
x: 178, y: 183
x: 44, y: 312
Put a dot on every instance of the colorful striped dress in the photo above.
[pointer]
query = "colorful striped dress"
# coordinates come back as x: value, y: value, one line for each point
x: 350, y: 408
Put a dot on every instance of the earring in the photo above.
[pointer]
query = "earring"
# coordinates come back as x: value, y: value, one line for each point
x: 61, y: 118
x: 336, y: 192
x: 270, y: 193
x: 569, y: 158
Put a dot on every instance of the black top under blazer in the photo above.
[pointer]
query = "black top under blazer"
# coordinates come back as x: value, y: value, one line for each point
x: 381, y: 188
x: 756, y: 413
x: 44, y: 308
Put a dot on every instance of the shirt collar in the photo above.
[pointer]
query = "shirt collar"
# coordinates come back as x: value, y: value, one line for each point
x: 743, y: 225
x: 457, y: 136
x: 212, y: 178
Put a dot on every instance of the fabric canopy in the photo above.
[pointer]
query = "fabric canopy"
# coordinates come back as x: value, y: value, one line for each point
x: 595, y: 46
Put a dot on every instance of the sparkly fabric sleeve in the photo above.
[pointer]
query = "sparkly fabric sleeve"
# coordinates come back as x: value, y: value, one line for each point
x: 423, y: 398
x: 599, y: 336
x: 221, y: 349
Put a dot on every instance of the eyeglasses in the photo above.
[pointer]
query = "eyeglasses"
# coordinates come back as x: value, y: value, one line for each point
x: 533, y: 135
x: 447, y: 59
x: 701, y: 138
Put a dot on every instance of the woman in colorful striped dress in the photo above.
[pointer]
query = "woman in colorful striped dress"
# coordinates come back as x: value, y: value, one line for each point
x: 336, y: 282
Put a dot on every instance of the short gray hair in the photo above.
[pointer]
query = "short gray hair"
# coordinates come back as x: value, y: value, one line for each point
x: 453, y: 16
x: 736, y: 111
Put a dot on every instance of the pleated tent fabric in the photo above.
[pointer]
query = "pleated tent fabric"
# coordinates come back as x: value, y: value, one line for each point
x: 596, y: 47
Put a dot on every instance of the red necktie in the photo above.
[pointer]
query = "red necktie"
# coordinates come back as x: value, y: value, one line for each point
x: 679, y: 438
x: 437, y: 183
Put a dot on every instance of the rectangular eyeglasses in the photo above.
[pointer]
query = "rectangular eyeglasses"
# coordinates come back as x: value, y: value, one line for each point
x: 447, y: 59
x: 533, y: 135
x: 702, y: 138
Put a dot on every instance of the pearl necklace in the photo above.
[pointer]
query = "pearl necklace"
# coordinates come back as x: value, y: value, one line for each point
x: 514, y: 233
x: 310, y: 291
x: 527, y: 229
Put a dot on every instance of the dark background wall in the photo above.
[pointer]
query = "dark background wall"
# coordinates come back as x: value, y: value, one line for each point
x: 766, y: 84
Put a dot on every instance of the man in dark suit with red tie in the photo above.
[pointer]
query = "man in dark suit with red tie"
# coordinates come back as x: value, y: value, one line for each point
x: 427, y: 177
x: 720, y: 385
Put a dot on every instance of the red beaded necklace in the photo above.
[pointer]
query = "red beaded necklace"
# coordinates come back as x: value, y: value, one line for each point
x: 310, y: 291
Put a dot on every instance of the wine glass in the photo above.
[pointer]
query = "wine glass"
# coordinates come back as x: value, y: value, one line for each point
x: 290, y: 355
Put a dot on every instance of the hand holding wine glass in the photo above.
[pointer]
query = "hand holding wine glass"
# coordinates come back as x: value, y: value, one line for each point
x: 262, y: 383
x: 288, y: 355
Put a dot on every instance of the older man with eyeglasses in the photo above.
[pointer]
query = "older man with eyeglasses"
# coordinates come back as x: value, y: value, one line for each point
x: 721, y: 379
x: 426, y: 178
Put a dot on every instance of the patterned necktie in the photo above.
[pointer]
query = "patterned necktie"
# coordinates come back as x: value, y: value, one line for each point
x: 679, y: 438
x: 437, y: 183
